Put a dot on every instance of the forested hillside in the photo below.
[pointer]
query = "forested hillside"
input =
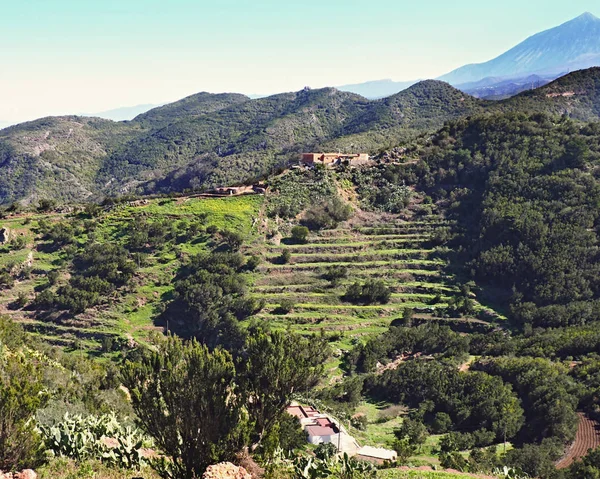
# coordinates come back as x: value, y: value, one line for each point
x: 210, y: 140
x: 525, y: 192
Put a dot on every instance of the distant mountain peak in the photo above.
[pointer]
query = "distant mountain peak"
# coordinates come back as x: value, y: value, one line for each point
x: 587, y: 16
x: 574, y: 45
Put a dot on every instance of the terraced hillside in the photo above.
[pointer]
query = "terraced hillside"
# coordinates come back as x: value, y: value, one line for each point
x: 399, y: 252
x: 128, y: 315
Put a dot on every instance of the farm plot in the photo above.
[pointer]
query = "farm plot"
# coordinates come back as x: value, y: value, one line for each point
x: 588, y: 437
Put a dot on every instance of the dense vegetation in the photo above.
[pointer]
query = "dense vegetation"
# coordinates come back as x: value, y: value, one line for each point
x: 524, y: 190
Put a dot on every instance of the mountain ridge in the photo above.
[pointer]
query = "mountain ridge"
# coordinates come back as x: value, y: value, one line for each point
x: 208, y: 140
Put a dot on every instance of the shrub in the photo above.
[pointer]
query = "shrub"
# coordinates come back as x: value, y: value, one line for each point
x: 334, y: 274
x: 53, y: 276
x: 182, y: 395
x: 286, y: 256
x: 21, y: 300
x: 19, y: 242
x: 6, y: 280
x: 328, y: 215
x: 45, y: 205
x: 373, y: 291
x: 21, y: 395
x: 325, y: 451
x: 300, y: 234
x: 360, y: 422
x: 232, y: 240
x: 442, y: 423
x: 252, y: 263
x: 286, y: 306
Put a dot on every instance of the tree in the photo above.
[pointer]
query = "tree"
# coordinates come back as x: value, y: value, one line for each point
x: 442, y: 423
x: 186, y: 398
x: 327, y: 215
x: 286, y: 256
x: 232, y: 240
x: 372, y: 291
x: 335, y: 274
x: 21, y: 395
x: 407, y: 317
x: 274, y: 366
x: 586, y: 468
x: 404, y: 449
x: 45, y: 205
x: 287, y: 434
x: 414, y: 431
x: 300, y: 234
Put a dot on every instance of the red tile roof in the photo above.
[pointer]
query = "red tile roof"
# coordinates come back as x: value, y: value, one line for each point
x: 319, y: 431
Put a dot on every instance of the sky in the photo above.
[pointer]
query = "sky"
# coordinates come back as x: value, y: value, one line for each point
x: 86, y: 56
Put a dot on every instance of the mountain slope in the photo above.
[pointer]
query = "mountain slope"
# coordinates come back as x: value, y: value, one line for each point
x: 572, y: 45
x: 213, y: 140
x: 282, y: 126
x: 191, y: 106
x: 495, y: 88
x: 56, y: 157
x: 576, y: 95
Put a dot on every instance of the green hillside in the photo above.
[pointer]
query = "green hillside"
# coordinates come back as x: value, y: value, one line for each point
x: 416, y: 287
x: 209, y: 140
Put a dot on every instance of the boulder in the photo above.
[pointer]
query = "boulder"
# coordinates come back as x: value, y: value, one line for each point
x: 226, y: 470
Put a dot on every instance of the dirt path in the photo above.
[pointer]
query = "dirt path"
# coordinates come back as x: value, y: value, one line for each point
x: 588, y: 437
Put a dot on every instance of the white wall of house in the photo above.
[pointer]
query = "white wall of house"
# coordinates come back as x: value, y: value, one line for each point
x: 324, y: 439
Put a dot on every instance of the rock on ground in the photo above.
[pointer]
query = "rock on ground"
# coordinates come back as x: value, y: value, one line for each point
x: 225, y: 470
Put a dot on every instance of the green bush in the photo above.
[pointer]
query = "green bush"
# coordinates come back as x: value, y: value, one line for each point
x: 21, y: 395
x: 253, y: 262
x: 335, y: 274
x: 373, y: 291
x: 300, y: 234
x: 286, y: 306
x: 327, y: 216
x: 286, y: 256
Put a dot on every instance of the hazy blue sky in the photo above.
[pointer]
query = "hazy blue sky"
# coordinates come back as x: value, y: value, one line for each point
x: 71, y: 56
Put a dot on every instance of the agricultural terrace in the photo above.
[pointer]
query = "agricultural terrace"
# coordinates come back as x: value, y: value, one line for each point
x: 299, y: 294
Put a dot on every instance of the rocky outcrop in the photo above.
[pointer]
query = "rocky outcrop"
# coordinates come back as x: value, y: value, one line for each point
x: 225, y: 470
x: 4, y: 235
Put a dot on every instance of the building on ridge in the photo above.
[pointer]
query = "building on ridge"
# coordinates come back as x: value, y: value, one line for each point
x: 333, y: 159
